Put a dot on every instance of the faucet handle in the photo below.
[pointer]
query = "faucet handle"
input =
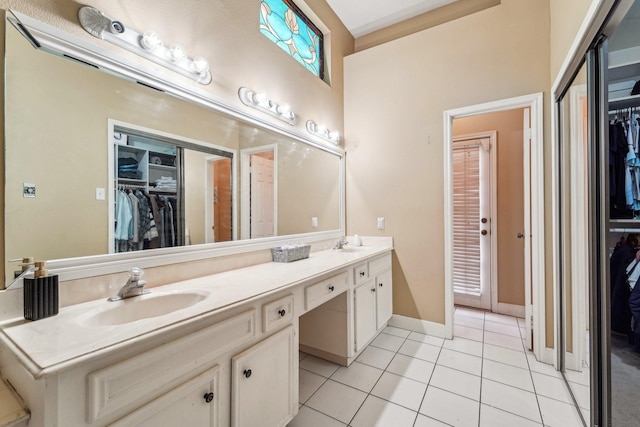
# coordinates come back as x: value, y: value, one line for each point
x: 136, y: 273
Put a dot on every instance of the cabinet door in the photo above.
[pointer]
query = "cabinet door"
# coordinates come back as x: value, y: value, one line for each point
x: 365, y: 313
x: 265, y: 382
x: 194, y: 403
x: 384, y: 298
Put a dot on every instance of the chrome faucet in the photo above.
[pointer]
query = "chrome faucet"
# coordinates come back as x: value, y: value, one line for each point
x: 133, y: 287
x: 340, y: 243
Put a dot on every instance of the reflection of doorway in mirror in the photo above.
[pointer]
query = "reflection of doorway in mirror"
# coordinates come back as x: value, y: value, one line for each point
x: 261, y: 194
x: 259, y: 191
x: 220, y: 224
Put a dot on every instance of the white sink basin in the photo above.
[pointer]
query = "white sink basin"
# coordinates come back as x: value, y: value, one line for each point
x: 352, y: 248
x: 142, y: 307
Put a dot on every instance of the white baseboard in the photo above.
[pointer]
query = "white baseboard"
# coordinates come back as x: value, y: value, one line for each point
x: 417, y: 325
x: 547, y: 355
x: 510, y: 310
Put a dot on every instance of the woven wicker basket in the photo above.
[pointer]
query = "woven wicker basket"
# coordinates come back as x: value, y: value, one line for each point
x: 296, y: 253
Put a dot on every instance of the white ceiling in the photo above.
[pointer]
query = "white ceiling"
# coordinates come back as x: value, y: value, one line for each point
x: 365, y: 16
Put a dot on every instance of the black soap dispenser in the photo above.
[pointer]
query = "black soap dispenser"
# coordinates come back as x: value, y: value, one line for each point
x: 40, y: 294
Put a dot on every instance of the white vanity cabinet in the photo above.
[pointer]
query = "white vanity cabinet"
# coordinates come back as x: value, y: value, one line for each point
x: 233, y: 362
x: 193, y: 403
x: 364, y: 313
x: 373, y: 299
x: 265, y: 382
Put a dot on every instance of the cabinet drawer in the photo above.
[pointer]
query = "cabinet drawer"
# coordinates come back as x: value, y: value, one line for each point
x: 360, y: 273
x: 321, y: 292
x: 129, y: 384
x: 277, y: 313
x: 188, y: 405
x: 379, y: 264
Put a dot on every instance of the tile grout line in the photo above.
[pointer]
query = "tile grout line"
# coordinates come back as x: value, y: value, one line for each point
x: 428, y: 384
x: 535, y: 391
x: 424, y: 395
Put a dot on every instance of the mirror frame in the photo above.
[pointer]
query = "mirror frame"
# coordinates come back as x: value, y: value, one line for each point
x: 55, y: 41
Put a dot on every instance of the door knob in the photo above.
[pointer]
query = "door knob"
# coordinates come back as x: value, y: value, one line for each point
x: 483, y: 232
x: 483, y: 220
x: 247, y: 373
x: 208, y: 397
x: 520, y: 235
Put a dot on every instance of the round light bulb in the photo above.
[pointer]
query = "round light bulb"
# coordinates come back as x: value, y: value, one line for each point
x: 334, y: 136
x: 177, y: 53
x: 200, y: 65
x: 285, y: 110
x: 321, y: 129
x: 150, y: 40
x: 261, y: 99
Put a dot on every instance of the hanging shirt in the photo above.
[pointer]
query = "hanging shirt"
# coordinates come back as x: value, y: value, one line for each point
x: 124, y: 216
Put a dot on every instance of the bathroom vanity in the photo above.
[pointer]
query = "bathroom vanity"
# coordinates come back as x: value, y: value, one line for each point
x: 217, y: 350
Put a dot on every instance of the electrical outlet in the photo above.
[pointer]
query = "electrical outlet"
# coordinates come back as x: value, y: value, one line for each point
x: 314, y: 222
x: 28, y: 190
x: 380, y: 223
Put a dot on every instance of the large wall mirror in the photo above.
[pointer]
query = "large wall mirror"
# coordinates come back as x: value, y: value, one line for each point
x: 73, y: 131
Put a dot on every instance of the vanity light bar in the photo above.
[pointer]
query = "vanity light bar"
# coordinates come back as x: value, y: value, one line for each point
x: 259, y: 101
x: 320, y: 130
x: 147, y: 45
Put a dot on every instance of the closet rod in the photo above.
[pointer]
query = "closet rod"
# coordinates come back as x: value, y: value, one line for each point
x: 126, y: 186
x: 624, y: 230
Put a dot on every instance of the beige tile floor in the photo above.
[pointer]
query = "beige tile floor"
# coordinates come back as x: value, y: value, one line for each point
x: 483, y: 377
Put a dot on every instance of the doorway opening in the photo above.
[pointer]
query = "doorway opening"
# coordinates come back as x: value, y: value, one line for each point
x: 259, y: 192
x: 219, y: 218
x: 529, y: 234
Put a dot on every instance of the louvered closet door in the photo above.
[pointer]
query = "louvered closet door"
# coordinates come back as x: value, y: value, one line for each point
x: 471, y: 223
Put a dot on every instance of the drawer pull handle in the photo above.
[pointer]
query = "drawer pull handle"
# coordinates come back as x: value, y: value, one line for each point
x: 373, y: 289
x: 362, y: 274
x: 380, y: 284
x: 247, y: 373
x: 282, y: 312
x: 208, y: 397
x: 331, y: 288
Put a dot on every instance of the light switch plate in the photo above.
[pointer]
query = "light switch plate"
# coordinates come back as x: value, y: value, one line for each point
x: 100, y: 193
x: 314, y: 222
x: 380, y: 223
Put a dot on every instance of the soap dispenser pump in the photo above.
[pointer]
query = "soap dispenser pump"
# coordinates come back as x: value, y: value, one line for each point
x: 41, y: 294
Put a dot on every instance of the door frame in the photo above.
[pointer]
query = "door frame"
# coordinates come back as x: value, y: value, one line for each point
x: 245, y: 158
x: 535, y: 103
x: 580, y: 242
x: 493, y: 183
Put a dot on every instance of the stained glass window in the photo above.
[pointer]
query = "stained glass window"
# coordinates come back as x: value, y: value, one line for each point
x: 284, y: 23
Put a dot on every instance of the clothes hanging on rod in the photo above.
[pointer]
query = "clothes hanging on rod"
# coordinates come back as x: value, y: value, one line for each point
x: 623, y: 255
x: 624, y: 164
x: 144, y: 221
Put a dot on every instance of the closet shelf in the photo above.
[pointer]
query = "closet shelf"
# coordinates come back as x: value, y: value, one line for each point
x: 625, y: 102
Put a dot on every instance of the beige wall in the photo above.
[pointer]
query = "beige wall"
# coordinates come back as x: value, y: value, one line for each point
x: 566, y: 18
x: 510, y: 196
x: 394, y: 101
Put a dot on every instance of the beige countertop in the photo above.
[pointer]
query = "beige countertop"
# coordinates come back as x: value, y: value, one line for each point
x: 54, y: 343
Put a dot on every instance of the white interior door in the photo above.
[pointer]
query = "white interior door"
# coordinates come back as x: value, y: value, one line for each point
x: 472, y: 222
x: 262, y: 200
